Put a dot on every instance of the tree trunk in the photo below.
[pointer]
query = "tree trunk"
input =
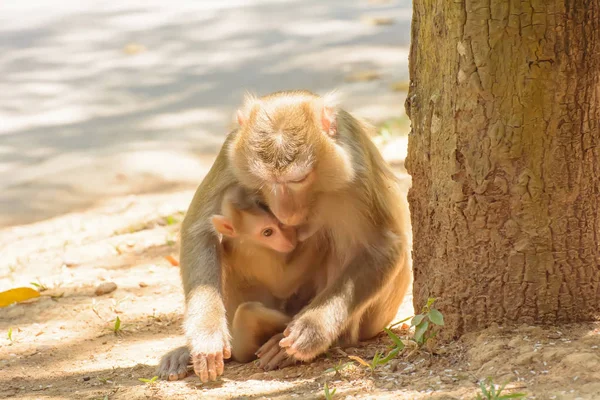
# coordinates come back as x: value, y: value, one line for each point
x: 504, y: 155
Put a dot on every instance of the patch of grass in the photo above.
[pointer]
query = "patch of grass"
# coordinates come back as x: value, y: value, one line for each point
x: 9, y: 334
x: 492, y: 392
x: 150, y: 381
x: 328, y: 394
x: 422, y: 334
x: 39, y: 285
x: 338, y: 367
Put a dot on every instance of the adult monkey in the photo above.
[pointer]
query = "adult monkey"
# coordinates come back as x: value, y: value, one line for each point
x: 318, y: 170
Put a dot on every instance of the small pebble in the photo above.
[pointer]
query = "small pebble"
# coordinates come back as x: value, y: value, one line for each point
x: 105, y: 288
x: 143, y: 284
x: 86, y: 378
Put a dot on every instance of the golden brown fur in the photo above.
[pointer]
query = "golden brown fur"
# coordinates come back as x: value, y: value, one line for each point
x: 317, y: 170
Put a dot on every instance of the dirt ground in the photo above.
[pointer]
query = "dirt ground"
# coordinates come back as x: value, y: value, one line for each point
x: 63, y: 345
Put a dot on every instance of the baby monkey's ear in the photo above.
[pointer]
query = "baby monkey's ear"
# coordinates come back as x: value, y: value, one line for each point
x: 223, y: 225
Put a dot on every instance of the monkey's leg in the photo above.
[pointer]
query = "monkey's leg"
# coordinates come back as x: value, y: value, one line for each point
x: 174, y: 364
x: 384, y: 309
x: 253, y: 324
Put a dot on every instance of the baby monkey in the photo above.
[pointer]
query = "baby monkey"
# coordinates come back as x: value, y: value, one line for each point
x: 254, y: 248
x: 246, y: 219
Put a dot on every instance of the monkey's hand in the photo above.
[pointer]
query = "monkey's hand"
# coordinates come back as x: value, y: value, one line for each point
x: 271, y: 355
x: 307, y: 337
x: 208, y: 353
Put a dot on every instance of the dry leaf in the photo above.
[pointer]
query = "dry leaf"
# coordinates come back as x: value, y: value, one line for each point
x: 17, y: 295
x: 359, y: 360
x: 172, y: 260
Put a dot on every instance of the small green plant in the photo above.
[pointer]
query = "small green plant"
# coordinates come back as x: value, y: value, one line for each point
x: 328, y: 394
x: 9, y: 335
x: 338, y: 367
x: 151, y: 380
x: 39, y: 285
x: 170, y: 220
x: 491, y: 393
x: 421, y: 322
x: 117, y: 327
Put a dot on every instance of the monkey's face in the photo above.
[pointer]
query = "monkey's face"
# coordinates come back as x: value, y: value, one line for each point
x: 269, y: 232
x: 284, y: 149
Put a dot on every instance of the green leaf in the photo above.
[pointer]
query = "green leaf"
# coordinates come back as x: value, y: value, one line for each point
x: 391, y: 355
x: 10, y: 334
x: 436, y: 317
x: 420, y: 331
x: 399, y: 344
x: 117, y: 324
x: 417, y: 320
x: 153, y: 379
x: 483, y: 389
x: 430, y: 302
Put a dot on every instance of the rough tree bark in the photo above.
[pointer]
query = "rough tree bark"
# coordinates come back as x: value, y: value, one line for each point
x: 504, y: 155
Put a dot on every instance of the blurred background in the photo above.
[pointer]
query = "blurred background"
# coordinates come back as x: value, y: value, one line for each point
x: 107, y: 98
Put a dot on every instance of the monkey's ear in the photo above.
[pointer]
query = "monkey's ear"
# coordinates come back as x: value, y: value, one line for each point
x: 327, y: 109
x: 328, y: 121
x: 223, y: 225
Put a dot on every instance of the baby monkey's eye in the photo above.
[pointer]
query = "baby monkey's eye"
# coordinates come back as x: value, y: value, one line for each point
x: 267, y: 232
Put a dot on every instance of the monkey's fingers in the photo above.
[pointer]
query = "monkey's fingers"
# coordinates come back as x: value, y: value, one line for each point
x: 288, y: 342
x: 226, y: 352
x: 201, y: 367
x: 219, y: 364
x: 267, y: 346
x: 277, y: 361
x: 212, y: 369
x: 266, y: 358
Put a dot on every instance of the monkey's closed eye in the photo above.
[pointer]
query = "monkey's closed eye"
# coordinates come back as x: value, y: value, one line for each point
x: 300, y: 180
x: 267, y: 232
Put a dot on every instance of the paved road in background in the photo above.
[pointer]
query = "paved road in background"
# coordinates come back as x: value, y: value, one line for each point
x: 101, y: 99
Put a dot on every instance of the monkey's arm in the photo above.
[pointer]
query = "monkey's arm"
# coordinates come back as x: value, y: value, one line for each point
x: 320, y: 324
x: 205, y: 322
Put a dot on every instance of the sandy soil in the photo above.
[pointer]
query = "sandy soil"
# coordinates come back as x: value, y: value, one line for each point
x: 63, y: 346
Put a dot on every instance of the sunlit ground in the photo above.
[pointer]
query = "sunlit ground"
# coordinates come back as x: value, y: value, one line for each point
x: 99, y: 99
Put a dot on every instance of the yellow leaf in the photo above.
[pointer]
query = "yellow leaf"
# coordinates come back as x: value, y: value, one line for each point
x: 360, y: 360
x: 17, y: 295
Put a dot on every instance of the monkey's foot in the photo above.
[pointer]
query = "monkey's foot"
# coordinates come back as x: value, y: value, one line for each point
x: 306, y: 337
x: 272, y: 356
x: 174, y: 364
x: 210, y: 365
